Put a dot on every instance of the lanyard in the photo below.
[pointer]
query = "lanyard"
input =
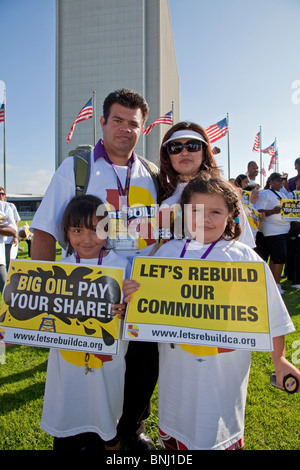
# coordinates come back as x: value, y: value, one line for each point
x: 276, y: 194
x: 99, y: 259
x: 122, y: 191
x: 204, y: 254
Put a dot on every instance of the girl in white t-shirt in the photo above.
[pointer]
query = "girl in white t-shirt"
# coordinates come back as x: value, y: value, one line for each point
x: 202, y: 390
x: 84, y: 392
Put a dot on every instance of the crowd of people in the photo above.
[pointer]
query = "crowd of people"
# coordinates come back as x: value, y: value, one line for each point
x: 276, y: 237
x: 109, y: 406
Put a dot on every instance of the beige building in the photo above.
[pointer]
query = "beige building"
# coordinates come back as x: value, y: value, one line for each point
x: 106, y: 45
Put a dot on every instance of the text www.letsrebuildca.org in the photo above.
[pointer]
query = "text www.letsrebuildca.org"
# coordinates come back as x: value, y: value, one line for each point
x: 223, y: 338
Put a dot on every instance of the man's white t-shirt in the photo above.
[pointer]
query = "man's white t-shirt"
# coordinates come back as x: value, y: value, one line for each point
x: 102, y: 183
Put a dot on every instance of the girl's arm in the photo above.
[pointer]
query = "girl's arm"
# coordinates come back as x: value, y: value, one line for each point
x: 282, y: 366
x: 129, y: 287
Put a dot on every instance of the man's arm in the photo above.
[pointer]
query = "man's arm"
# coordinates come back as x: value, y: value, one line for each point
x: 8, y: 231
x: 43, y: 246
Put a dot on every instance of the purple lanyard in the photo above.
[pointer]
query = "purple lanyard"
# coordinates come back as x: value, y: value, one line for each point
x: 99, y: 259
x: 122, y: 191
x: 204, y: 254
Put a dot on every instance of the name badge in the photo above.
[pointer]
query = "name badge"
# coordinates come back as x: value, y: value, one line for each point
x: 125, y: 244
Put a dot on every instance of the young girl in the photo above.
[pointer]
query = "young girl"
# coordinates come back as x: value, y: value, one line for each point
x: 202, y: 390
x: 84, y: 392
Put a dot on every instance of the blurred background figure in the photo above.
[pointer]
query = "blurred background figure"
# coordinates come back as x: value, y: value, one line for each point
x: 11, y: 243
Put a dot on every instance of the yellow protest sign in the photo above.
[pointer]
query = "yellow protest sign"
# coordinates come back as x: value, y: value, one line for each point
x: 65, y: 306
x: 290, y: 210
x: 199, y: 302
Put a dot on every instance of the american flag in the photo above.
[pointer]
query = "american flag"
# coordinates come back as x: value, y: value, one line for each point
x: 216, y: 131
x: 256, y: 145
x: 270, y: 150
x: 165, y: 119
x: 2, y: 113
x: 263, y: 172
x: 85, y: 113
x: 272, y: 162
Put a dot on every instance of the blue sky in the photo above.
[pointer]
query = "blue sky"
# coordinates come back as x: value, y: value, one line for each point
x: 236, y: 57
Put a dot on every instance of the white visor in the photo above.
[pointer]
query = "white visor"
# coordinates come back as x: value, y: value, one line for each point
x: 185, y: 134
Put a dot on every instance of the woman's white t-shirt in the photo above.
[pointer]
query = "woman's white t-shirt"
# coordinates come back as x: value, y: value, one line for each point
x: 273, y: 224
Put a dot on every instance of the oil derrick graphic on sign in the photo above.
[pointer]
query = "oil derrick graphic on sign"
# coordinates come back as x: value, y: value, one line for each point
x: 48, y: 324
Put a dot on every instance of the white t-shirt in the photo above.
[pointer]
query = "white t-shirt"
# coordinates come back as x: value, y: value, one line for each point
x: 76, y: 402
x: 202, y: 393
x: 102, y: 183
x: 17, y: 219
x: 6, y: 219
x: 273, y: 224
x: 246, y: 235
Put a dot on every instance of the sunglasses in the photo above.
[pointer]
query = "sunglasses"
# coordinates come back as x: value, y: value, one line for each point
x: 2, y: 194
x: 174, y: 148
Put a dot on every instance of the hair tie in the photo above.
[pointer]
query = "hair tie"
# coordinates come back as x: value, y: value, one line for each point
x: 237, y: 220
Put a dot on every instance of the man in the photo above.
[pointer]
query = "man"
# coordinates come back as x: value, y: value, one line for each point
x: 116, y: 176
x: 252, y: 172
x: 291, y: 182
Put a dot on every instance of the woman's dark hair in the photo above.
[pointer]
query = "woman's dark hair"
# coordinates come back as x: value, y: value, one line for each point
x: 238, y: 180
x: 209, y: 184
x: 274, y: 176
x: 168, y: 177
x: 80, y: 213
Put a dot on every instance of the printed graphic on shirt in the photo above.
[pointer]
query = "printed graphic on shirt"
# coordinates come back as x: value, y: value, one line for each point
x: 203, y: 350
x: 63, y: 306
x: 135, y: 219
x: 79, y: 359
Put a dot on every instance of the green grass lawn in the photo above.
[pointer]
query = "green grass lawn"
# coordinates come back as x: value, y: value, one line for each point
x: 272, y: 416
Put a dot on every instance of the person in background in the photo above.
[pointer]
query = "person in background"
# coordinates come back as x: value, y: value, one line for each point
x: 11, y: 243
x: 241, y: 181
x: 271, y: 240
x: 7, y: 228
x: 252, y: 172
x: 291, y: 183
x: 292, y: 270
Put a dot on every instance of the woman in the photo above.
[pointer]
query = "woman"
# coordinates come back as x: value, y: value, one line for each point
x: 241, y: 181
x: 186, y: 152
x: 177, y: 168
x: 272, y: 240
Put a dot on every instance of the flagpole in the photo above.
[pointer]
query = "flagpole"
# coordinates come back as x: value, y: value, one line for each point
x: 228, y: 148
x: 4, y: 142
x: 276, y: 156
x: 172, y: 113
x: 94, y: 115
x: 260, y: 157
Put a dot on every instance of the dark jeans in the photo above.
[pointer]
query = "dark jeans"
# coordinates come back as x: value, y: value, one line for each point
x: 140, y: 381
